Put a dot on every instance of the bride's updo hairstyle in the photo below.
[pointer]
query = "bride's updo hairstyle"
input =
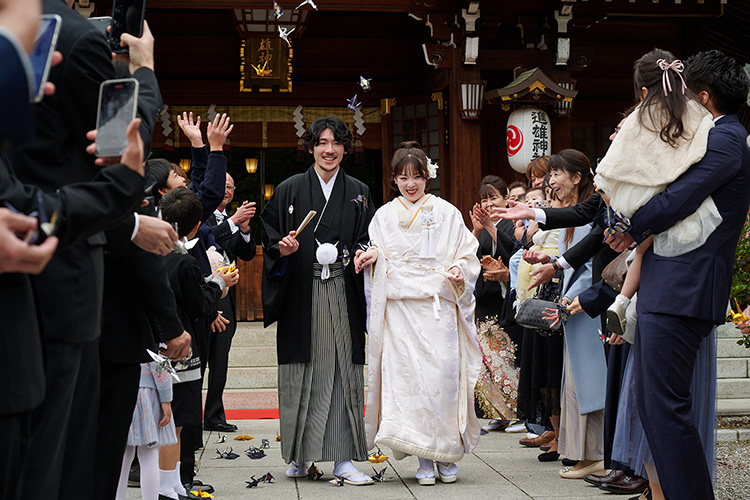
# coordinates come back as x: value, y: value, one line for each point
x: 409, y: 156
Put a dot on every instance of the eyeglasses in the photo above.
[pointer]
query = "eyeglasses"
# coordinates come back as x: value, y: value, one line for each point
x: 230, y: 187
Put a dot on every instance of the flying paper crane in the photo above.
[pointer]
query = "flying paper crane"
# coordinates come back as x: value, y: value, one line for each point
x: 284, y: 34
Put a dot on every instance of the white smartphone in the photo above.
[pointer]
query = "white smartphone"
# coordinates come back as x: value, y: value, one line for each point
x: 41, y: 54
x: 118, y: 104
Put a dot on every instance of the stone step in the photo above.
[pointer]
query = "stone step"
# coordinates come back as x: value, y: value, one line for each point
x: 728, y: 331
x: 733, y: 388
x: 732, y: 367
x: 264, y: 378
x: 728, y: 348
x: 256, y: 356
x: 734, y: 407
x: 252, y: 334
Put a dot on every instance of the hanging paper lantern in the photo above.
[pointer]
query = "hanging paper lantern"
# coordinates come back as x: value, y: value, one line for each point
x: 528, y: 137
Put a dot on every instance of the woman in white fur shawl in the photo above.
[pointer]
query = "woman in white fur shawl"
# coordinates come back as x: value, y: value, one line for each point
x: 666, y: 133
x: 424, y: 358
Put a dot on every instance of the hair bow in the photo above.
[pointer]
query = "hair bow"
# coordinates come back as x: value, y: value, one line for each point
x: 675, y: 66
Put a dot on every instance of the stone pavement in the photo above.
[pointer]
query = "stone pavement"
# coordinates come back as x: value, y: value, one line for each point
x: 499, y: 469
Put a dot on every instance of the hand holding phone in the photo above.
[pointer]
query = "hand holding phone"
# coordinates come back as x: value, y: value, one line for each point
x: 127, y: 17
x: 118, y: 103
x: 141, y: 50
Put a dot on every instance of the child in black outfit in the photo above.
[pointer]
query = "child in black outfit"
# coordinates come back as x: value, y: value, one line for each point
x: 197, y: 299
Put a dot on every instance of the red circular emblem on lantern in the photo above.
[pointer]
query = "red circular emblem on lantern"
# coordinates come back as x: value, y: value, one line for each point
x: 514, y: 139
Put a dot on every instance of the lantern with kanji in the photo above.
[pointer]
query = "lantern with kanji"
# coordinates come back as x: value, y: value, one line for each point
x: 527, y: 137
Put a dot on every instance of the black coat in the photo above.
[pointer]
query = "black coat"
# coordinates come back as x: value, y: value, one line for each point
x: 287, y: 281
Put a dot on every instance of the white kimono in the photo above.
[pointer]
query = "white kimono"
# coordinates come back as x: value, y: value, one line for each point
x: 639, y: 165
x: 424, y: 358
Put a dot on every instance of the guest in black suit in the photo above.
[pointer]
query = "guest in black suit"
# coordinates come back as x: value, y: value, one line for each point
x: 69, y: 291
x: 233, y: 235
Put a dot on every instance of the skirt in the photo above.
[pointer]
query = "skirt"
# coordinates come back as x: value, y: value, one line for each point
x: 144, y: 429
x: 321, y: 403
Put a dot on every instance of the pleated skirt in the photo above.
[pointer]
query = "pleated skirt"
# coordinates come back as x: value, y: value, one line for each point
x: 144, y: 429
x: 321, y: 403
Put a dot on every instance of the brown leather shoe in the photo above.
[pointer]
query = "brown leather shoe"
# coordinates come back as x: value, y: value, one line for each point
x: 613, y: 476
x: 544, y: 438
x: 626, y: 486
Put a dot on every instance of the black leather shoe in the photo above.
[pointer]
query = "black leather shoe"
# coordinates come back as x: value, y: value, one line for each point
x: 134, y: 476
x: 613, y: 476
x: 221, y: 427
x: 627, y: 485
x: 550, y: 456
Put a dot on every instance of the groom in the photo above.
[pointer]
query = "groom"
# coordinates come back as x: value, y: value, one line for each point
x: 681, y: 298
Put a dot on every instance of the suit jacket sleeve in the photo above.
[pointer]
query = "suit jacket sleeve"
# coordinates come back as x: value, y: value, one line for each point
x: 578, y: 215
x: 156, y: 297
x: 209, y: 174
x: 233, y: 243
x: 149, y: 105
x: 721, y: 163
x: 85, y: 208
x: 596, y: 299
x: 585, y: 249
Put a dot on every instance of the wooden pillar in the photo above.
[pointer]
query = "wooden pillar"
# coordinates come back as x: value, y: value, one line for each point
x: 464, y: 169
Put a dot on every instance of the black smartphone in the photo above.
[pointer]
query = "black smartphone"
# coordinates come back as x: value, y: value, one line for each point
x: 41, y: 55
x: 127, y: 17
x: 101, y: 24
x: 118, y: 103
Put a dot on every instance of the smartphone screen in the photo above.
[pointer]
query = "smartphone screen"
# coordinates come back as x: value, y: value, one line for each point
x: 41, y: 54
x: 118, y: 102
x: 101, y: 24
x: 127, y: 17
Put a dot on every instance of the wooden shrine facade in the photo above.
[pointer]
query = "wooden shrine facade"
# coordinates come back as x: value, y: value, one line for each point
x: 420, y: 55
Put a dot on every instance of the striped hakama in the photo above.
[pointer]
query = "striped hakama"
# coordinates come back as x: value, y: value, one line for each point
x: 321, y: 403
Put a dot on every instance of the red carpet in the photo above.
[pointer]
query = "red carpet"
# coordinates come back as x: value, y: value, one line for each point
x: 252, y: 414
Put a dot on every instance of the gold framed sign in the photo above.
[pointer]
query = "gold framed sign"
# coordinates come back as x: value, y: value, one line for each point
x: 266, y: 65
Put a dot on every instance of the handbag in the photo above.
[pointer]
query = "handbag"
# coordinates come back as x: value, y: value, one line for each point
x: 614, y: 273
x: 547, y: 296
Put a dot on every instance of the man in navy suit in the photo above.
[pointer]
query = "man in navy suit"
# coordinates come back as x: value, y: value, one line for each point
x: 681, y: 298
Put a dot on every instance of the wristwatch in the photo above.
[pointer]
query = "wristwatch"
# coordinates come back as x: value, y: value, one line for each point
x: 556, y: 266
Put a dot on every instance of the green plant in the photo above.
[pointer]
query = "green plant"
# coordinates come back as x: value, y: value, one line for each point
x: 741, y: 281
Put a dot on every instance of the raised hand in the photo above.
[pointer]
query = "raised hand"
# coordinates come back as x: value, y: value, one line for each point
x: 514, y: 211
x: 218, y: 131
x: 191, y: 130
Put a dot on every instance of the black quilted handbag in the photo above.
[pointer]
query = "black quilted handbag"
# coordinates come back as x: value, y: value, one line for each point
x: 547, y: 296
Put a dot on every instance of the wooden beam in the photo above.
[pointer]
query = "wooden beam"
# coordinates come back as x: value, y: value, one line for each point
x: 329, y: 5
